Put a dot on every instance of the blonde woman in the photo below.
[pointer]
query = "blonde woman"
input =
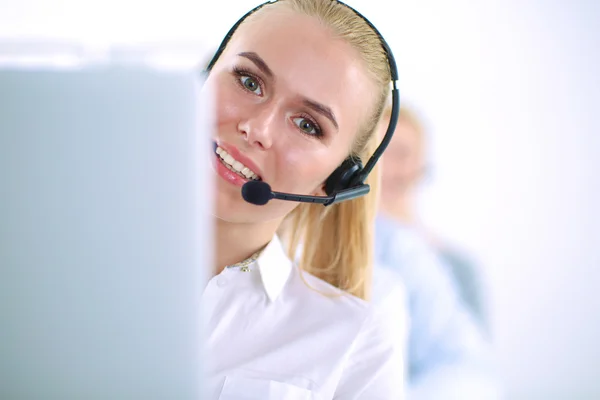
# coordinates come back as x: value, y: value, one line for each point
x: 299, y: 88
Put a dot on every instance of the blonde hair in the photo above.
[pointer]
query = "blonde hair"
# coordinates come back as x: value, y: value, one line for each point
x: 337, y: 240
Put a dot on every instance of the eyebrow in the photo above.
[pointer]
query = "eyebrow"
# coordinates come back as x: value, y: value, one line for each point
x: 323, y: 110
x: 259, y: 62
x: 318, y: 107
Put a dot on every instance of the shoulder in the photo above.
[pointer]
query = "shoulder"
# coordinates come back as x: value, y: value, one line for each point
x: 342, y: 310
x: 374, y: 363
x: 375, y: 366
x: 325, y: 298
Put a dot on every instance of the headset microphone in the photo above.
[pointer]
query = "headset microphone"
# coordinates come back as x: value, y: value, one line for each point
x: 259, y: 193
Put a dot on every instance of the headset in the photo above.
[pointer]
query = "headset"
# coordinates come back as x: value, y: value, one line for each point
x: 348, y: 180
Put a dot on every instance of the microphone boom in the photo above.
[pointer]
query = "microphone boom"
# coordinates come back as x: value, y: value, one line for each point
x: 259, y: 193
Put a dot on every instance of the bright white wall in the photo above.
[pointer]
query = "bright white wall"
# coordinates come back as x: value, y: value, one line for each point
x: 516, y: 145
x: 511, y: 92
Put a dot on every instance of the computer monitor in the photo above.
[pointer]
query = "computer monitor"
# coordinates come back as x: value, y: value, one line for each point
x: 104, y: 232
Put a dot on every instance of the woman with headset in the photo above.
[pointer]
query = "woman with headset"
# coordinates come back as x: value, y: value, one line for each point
x: 299, y: 88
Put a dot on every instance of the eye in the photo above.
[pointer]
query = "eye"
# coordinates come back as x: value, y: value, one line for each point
x: 250, y: 84
x: 307, y: 126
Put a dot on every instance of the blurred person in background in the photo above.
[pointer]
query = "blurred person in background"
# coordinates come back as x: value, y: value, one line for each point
x: 449, y: 356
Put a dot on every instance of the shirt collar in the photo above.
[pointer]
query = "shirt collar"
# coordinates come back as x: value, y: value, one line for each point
x: 275, y: 267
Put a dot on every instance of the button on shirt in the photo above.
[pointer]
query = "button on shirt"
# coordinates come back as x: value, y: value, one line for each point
x: 275, y: 332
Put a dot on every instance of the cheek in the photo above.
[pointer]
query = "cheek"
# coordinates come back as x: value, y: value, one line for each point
x: 226, y: 108
x: 304, y: 171
x: 316, y: 166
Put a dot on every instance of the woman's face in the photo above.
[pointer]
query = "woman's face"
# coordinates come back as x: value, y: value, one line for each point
x: 290, y: 100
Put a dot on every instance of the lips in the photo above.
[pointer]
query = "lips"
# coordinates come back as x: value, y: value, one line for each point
x: 238, y: 156
x: 235, y: 165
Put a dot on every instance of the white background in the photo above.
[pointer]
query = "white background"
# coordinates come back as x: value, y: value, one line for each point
x: 511, y: 93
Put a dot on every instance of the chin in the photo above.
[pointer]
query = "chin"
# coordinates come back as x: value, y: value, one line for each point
x: 230, y: 206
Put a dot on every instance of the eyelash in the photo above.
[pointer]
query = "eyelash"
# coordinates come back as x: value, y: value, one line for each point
x: 318, y: 131
x: 241, y: 72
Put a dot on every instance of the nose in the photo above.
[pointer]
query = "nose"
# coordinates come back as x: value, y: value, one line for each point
x: 259, y: 127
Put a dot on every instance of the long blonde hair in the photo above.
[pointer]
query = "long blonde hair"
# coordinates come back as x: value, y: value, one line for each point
x: 337, y: 241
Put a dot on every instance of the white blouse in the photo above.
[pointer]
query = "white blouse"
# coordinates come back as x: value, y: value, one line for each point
x: 271, y: 335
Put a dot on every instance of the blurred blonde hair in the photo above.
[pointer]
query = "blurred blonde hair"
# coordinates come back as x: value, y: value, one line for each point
x: 337, y: 240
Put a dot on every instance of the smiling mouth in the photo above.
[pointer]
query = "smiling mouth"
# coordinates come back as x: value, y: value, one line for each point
x: 234, y: 165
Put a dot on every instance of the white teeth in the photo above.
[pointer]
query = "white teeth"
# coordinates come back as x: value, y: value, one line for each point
x: 235, y: 165
x: 238, y: 166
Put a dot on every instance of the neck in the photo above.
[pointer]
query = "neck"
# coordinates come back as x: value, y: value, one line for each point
x: 235, y: 242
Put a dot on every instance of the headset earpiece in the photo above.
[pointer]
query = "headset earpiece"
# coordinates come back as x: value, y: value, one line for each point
x: 343, y: 176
